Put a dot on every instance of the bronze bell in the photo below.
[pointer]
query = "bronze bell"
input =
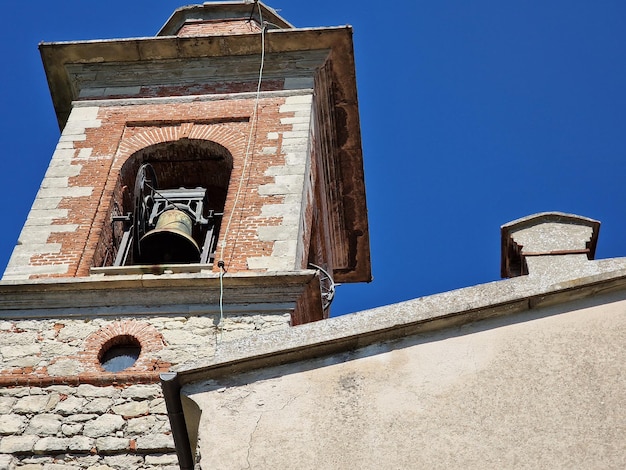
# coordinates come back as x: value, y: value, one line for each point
x: 170, y: 242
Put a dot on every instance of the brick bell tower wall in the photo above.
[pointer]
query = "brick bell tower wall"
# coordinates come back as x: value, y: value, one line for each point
x: 68, y: 230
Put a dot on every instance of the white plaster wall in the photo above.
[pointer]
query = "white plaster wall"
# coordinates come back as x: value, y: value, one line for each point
x: 543, y: 389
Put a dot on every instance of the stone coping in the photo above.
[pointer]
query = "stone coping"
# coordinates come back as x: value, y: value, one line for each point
x: 152, y: 269
x: 349, y: 332
x: 221, y: 10
x: 568, y: 239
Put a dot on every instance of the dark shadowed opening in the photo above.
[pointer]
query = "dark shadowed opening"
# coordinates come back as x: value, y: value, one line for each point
x: 185, y: 163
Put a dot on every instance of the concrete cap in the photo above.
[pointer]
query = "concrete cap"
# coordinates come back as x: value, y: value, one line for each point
x: 216, y: 11
x: 546, y: 233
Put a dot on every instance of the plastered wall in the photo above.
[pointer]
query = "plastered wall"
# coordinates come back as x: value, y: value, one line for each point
x: 541, y: 389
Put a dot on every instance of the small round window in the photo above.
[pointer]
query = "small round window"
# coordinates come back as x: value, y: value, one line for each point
x: 120, y: 353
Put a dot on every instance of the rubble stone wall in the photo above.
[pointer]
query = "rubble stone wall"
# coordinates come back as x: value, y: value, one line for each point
x: 85, y: 427
x: 59, y: 410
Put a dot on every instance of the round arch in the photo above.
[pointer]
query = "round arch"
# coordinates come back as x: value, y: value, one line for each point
x: 182, y: 163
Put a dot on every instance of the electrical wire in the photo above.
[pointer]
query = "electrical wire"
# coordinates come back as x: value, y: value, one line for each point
x: 253, y: 127
x: 220, y: 325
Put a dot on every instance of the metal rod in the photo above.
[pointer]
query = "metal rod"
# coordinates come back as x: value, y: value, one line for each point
x: 122, y: 251
x: 557, y: 252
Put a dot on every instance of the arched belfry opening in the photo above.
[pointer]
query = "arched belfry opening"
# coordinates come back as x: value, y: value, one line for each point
x: 167, y: 205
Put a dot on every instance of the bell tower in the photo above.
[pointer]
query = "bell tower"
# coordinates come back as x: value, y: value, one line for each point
x: 231, y: 138
x: 207, y: 185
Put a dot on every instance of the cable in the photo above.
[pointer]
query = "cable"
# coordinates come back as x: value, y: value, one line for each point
x: 253, y: 124
x: 220, y: 264
x: 252, y: 10
x: 160, y: 194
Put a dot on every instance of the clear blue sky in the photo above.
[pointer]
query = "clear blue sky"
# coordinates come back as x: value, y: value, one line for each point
x: 473, y: 113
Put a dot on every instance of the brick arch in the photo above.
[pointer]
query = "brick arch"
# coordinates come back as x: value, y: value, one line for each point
x: 230, y: 135
x: 146, y: 335
x: 187, y: 155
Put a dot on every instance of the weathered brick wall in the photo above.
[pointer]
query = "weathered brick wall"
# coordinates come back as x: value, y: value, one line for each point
x: 71, y: 214
x: 203, y: 28
x: 160, y: 91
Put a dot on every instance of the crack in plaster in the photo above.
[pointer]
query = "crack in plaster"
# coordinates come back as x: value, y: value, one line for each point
x: 288, y: 402
x: 251, y: 439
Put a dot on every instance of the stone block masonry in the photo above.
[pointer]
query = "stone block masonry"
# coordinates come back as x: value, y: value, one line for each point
x: 63, y: 350
x: 39, y: 249
x: 85, y: 427
x: 289, y: 184
x: 59, y: 409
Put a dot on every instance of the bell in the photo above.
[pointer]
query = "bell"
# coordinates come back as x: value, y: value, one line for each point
x: 170, y: 242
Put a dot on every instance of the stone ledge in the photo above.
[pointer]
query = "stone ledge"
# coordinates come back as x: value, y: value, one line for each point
x: 394, y: 321
x: 102, y: 379
x: 187, y: 292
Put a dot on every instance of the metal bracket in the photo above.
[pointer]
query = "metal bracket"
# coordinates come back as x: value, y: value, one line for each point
x: 151, y: 202
x: 327, y: 286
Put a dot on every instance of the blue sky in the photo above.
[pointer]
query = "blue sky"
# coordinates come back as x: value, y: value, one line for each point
x: 473, y: 114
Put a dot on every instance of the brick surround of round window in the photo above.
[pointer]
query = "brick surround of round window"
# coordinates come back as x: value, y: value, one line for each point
x: 123, y: 332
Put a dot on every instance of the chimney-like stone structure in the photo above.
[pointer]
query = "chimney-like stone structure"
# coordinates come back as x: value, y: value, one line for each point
x: 552, y: 244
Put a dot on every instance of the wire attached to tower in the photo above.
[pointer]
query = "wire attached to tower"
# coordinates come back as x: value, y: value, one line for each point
x: 251, y: 136
x: 220, y: 264
x: 253, y: 126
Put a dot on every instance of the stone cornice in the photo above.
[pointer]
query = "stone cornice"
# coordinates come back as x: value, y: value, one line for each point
x: 392, y: 322
x: 149, y: 294
x: 57, y: 56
